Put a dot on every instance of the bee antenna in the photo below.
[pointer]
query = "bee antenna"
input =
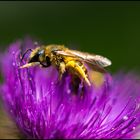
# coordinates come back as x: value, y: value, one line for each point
x: 25, y: 53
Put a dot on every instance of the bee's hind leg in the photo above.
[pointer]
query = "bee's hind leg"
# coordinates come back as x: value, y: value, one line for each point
x: 79, y: 69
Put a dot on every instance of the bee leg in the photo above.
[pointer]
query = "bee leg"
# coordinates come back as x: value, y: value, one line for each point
x: 79, y: 69
x: 61, y: 70
x: 29, y: 65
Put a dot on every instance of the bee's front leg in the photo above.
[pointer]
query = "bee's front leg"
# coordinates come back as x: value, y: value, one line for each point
x: 61, y: 70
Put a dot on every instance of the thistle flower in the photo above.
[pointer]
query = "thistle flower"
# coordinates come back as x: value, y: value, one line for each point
x: 43, y: 108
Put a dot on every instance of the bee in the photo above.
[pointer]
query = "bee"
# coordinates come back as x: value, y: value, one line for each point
x: 64, y: 59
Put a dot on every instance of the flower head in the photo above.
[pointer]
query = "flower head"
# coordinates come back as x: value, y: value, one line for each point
x: 43, y: 108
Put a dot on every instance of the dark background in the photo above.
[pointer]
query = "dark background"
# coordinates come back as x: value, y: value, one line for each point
x: 111, y: 29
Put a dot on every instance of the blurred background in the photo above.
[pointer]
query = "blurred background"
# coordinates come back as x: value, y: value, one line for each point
x: 111, y: 29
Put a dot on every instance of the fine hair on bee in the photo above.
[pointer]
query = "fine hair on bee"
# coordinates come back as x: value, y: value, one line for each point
x: 66, y: 60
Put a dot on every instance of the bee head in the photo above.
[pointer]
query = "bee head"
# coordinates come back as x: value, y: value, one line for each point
x: 38, y: 57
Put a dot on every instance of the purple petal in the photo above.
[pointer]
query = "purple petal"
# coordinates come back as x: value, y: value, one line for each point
x: 43, y: 108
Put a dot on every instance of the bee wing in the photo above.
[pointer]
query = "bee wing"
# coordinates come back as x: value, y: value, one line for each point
x: 96, y: 61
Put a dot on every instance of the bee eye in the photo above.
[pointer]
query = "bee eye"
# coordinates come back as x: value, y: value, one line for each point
x: 41, y: 52
x: 34, y: 58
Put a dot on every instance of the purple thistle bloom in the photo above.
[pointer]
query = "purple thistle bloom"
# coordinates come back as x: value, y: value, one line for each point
x: 42, y: 108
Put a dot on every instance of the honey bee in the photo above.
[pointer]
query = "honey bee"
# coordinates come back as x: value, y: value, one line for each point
x: 64, y: 59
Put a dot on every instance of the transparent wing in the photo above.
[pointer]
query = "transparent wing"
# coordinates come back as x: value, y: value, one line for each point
x: 93, y: 59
